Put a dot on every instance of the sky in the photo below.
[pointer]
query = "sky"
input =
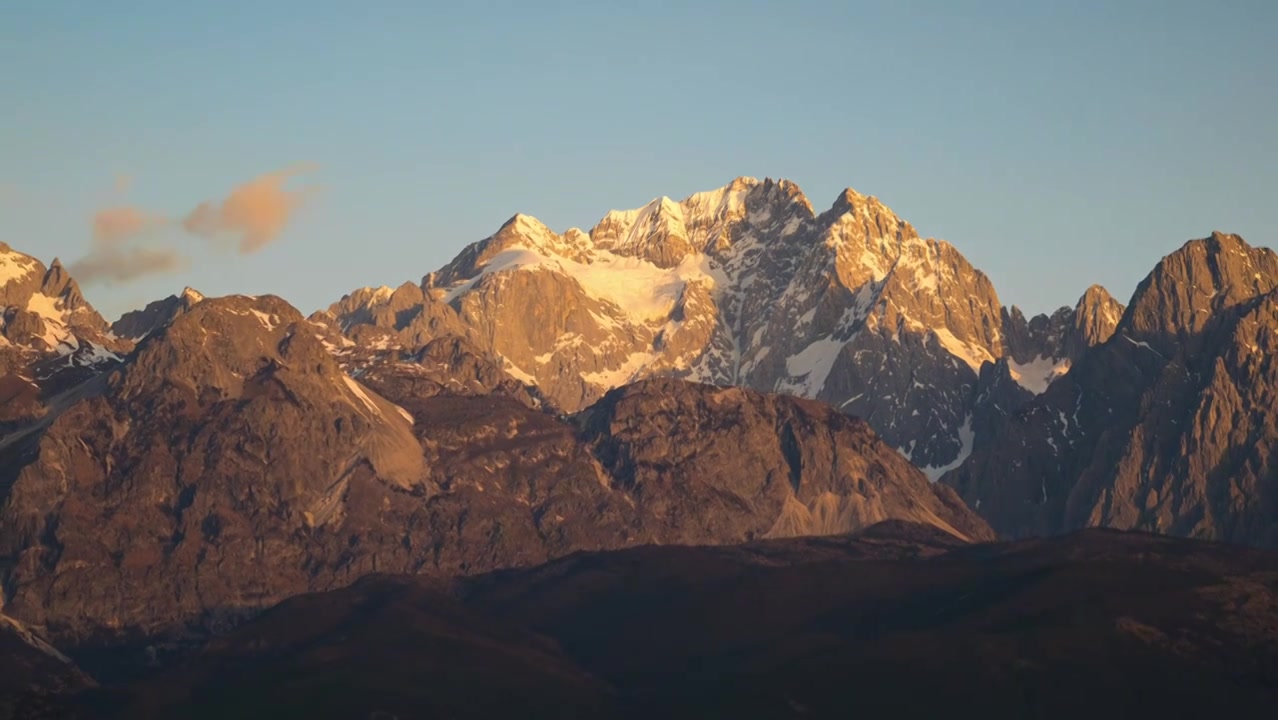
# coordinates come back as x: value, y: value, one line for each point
x: 307, y: 148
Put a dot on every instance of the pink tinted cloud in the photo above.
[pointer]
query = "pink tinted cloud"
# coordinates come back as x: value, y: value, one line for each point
x: 122, y: 224
x: 114, y: 256
x: 255, y: 212
x: 253, y: 215
x: 113, y: 263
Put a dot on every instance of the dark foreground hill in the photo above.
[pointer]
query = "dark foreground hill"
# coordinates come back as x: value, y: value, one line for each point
x: 900, y: 620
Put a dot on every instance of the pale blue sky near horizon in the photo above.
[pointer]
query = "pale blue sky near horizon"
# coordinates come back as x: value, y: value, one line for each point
x: 1055, y: 145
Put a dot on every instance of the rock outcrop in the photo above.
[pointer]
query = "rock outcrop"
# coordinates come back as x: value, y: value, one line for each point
x: 1168, y: 426
x: 137, y: 324
x: 51, y: 339
x: 46, y: 325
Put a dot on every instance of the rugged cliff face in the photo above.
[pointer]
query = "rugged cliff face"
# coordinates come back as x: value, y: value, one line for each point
x: 1044, y: 347
x: 51, y: 339
x: 137, y: 324
x: 757, y: 465
x: 1169, y: 426
x: 182, y: 485
x: 745, y: 285
x: 230, y: 462
x: 49, y: 334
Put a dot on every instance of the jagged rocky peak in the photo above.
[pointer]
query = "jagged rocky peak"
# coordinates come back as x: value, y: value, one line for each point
x: 665, y: 232
x: 137, y: 324
x: 521, y: 240
x: 248, y: 347
x: 1044, y: 347
x: 1096, y: 316
x: 217, y: 343
x: 1165, y: 426
x: 392, y: 308
x: 58, y: 283
x: 916, y: 283
x: 853, y: 204
x: 869, y: 237
x: 48, y: 331
x: 50, y: 293
x: 526, y: 231
x: 656, y: 232
x: 356, y: 307
x: 226, y: 436
x: 1177, y: 299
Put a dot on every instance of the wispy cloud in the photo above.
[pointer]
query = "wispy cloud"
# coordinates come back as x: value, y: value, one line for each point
x: 130, y: 243
x: 122, y: 224
x: 112, y: 262
x: 115, y: 253
x: 254, y: 213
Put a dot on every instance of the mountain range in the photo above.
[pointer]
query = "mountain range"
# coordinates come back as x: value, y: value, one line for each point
x: 746, y: 285
x: 729, y: 369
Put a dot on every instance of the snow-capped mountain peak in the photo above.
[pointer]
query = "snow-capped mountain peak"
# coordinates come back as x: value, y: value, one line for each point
x: 743, y: 284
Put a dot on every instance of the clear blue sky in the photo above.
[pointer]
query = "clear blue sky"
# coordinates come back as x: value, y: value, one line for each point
x: 1055, y: 144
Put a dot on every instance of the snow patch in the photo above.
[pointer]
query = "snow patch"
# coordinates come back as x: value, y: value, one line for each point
x: 621, y: 375
x: 973, y: 355
x: 812, y: 364
x: 641, y: 291
x: 47, y: 308
x: 367, y: 401
x: 967, y: 438
x: 518, y: 373
x: 15, y: 266
x: 55, y: 321
x: 269, y: 321
x: 96, y: 354
x: 361, y: 395
x: 1038, y: 373
x: 1142, y: 344
x: 908, y: 450
x: 871, y: 261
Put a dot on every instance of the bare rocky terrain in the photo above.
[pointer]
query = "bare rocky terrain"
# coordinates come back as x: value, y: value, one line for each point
x: 1169, y: 426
